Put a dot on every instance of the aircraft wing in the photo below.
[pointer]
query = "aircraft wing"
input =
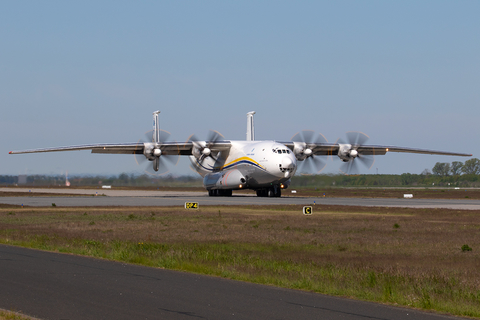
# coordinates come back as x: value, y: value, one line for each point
x: 327, y: 149
x: 168, y: 148
x: 381, y: 150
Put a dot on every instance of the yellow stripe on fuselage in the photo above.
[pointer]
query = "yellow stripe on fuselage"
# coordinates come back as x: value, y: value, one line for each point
x: 246, y: 159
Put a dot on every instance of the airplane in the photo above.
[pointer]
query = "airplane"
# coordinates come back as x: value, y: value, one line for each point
x: 265, y: 166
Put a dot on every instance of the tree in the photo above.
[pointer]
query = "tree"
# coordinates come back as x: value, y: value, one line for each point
x: 471, y: 166
x: 456, y: 168
x: 123, y: 177
x: 441, y: 169
x: 407, y: 178
x: 426, y: 172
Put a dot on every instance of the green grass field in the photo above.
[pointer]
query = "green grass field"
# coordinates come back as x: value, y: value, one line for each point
x: 420, y: 258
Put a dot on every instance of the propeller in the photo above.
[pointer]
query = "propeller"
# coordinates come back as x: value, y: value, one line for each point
x: 349, y: 152
x: 203, y: 149
x: 151, y: 151
x: 306, y: 141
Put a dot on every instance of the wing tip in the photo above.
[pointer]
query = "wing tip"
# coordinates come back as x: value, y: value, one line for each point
x: 10, y: 152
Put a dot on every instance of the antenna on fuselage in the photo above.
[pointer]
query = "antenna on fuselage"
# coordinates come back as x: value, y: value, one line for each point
x: 156, y: 128
x: 250, y: 126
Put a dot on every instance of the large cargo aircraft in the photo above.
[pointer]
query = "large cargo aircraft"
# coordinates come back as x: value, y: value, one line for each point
x: 265, y: 166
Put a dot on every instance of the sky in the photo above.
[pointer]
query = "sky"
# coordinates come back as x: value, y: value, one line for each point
x: 406, y: 73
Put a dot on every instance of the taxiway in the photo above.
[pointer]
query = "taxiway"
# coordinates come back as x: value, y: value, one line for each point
x: 110, y: 197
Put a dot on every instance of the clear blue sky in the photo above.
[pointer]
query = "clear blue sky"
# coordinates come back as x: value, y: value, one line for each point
x: 406, y: 73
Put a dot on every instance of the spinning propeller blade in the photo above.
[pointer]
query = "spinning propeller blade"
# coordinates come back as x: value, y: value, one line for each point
x: 307, y: 162
x: 159, y: 164
x: 203, y: 149
x: 356, y: 139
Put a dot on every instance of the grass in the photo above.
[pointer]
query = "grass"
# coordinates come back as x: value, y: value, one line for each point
x: 10, y: 315
x: 410, y: 257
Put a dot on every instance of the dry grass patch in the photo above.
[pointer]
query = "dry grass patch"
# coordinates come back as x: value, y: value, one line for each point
x: 405, y: 256
x: 10, y: 315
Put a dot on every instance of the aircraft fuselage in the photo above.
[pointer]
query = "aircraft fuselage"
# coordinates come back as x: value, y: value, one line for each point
x: 260, y: 165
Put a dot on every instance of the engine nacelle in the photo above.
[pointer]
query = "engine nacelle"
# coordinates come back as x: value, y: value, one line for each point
x: 232, y: 179
x: 300, y: 150
x: 346, y: 152
x: 200, y: 149
x: 148, y: 150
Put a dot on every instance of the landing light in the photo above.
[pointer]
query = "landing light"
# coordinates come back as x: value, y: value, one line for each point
x: 282, y: 186
x: 386, y: 149
x: 240, y: 186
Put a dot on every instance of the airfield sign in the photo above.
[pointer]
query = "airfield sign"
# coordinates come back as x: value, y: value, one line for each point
x: 307, y: 210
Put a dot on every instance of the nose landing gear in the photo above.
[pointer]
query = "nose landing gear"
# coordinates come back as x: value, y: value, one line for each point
x: 272, y: 192
x: 219, y: 193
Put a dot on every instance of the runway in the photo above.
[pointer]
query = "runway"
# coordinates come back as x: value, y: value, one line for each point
x: 109, y: 197
x: 59, y: 286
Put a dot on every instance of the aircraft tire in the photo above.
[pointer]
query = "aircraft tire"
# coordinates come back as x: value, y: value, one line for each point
x: 219, y: 193
x: 261, y: 192
x: 271, y: 192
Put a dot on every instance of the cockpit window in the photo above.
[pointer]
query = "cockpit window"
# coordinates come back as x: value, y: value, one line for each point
x: 280, y: 151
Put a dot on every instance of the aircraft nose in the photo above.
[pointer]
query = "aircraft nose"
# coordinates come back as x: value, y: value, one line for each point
x: 288, y: 166
x: 287, y: 163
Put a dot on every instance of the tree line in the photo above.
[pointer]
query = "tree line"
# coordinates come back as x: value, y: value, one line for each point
x: 455, y: 174
x: 456, y: 168
x: 313, y: 181
x: 123, y: 179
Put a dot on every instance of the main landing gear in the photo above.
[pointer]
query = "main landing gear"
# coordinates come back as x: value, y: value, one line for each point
x: 271, y: 192
x: 220, y: 193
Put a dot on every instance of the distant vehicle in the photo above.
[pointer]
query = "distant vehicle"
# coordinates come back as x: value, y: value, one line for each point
x: 264, y: 166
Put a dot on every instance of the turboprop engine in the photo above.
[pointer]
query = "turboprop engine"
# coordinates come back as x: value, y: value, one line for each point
x: 352, y: 151
x: 231, y: 179
x: 151, y: 151
x: 304, y: 141
x: 346, y: 152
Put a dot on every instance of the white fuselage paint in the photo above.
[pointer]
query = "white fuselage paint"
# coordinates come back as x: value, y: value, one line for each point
x: 262, y: 163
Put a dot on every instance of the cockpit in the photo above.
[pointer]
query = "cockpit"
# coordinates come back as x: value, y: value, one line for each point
x: 280, y: 151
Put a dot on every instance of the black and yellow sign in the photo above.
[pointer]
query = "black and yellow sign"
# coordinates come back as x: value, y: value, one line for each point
x: 308, y: 210
x: 191, y: 205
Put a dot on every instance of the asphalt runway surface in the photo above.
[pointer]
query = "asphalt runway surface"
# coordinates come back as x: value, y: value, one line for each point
x: 59, y: 286
x: 109, y: 197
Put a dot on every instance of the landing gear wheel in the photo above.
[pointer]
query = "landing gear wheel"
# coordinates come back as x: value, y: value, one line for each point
x: 271, y: 192
x: 261, y: 192
x: 274, y: 192
x: 219, y: 193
